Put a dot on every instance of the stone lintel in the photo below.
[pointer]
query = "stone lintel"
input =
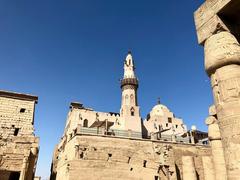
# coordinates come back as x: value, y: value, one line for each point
x: 209, y: 28
x: 19, y: 96
x: 207, y: 20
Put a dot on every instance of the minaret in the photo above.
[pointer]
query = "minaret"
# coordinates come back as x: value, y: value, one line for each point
x: 129, y: 108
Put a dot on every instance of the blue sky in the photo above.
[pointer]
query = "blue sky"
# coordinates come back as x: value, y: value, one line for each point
x: 65, y: 51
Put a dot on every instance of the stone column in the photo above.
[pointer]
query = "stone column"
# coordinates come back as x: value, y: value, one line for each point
x: 23, y: 175
x: 222, y: 59
x: 208, y: 168
x: 216, y: 145
x: 188, y: 168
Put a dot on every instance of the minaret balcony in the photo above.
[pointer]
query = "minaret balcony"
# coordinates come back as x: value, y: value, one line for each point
x: 129, y: 81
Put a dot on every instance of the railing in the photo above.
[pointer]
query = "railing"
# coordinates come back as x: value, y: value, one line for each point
x: 173, y: 138
x: 111, y: 132
x: 133, y: 134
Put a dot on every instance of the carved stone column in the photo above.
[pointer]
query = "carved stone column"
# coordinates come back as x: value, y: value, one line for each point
x: 216, y: 145
x: 23, y: 175
x: 222, y: 59
x: 208, y: 168
x: 188, y: 168
x: 217, y: 25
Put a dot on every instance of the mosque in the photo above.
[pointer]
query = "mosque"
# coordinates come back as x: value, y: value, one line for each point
x: 129, y: 120
x: 107, y: 145
x: 110, y: 145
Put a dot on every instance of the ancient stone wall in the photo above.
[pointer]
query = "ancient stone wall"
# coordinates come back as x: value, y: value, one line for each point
x: 18, y: 145
x: 16, y: 117
x: 96, y: 157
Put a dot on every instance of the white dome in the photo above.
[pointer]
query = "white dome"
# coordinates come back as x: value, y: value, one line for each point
x: 159, y: 109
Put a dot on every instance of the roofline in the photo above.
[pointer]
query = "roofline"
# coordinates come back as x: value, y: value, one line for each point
x: 21, y: 96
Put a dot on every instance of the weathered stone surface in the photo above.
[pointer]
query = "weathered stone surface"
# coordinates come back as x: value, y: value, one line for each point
x: 215, y: 15
x: 95, y: 157
x: 222, y: 64
x: 217, y: 148
x: 208, y: 168
x: 18, y: 144
x: 220, y: 50
x: 188, y: 168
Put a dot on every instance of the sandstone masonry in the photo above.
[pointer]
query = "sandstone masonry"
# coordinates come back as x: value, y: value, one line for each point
x: 217, y: 24
x: 18, y: 144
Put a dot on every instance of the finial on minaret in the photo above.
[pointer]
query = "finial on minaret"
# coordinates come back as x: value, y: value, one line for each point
x: 158, y: 100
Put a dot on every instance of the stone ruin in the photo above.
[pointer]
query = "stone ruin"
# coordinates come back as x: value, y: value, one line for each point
x: 86, y: 156
x: 217, y: 23
x: 18, y: 144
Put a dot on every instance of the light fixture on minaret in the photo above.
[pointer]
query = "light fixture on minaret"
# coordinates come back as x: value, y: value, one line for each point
x: 129, y: 85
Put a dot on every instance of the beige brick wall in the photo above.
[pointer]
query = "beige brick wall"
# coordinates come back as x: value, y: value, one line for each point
x: 16, y: 113
x: 18, y: 144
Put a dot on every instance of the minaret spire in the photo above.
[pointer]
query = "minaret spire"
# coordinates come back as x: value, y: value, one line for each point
x: 129, y: 85
x: 129, y: 111
x: 129, y: 66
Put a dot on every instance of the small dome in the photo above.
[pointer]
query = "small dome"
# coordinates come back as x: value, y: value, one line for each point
x: 159, y: 109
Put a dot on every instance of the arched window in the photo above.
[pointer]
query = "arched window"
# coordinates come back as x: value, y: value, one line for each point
x: 126, y: 99
x: 131, y: 99
x: 132, y: 111
x: 85, y: 123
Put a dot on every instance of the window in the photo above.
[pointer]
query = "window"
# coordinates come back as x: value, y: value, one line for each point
x: 132, y: 111
x: 109, y: 156
x: 155, y: 126
x: 176, y: 126
x: 126, y: 99
x: 85, y: 123
x: 166, y: 124
x: 81, y: 155
x: 129, y: 158
x: 170, y: 120
x: 16, y: 131
x: 132, y: 99
x: 22, y: 110
x: 144, y: 163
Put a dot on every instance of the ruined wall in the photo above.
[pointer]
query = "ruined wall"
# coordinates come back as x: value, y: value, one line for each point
x: 16, y: 116
x: 18, y: 145
x: 95, y: 157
